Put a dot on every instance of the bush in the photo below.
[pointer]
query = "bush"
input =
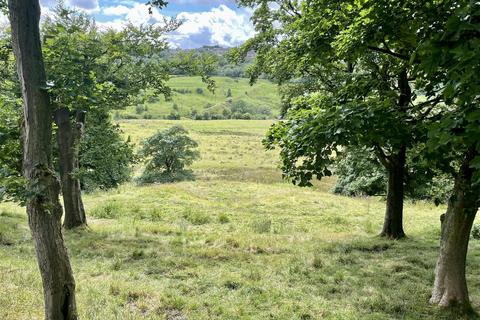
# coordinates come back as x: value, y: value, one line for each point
x: 360, y: 174
x: 139, y: 108
x: 105, y: 158
x: 246, y: 116
x: 173, y: 116
x: 476, y: 232
x: 194, y: 114
x: 153, y: 99
x: 206, y: 116
x: 167, y: 154
x: 199, y: 91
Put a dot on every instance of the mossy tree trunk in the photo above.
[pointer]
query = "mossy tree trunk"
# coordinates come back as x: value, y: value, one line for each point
x: 43, y: 206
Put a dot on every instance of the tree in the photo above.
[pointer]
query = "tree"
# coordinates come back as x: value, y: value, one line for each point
x: 359, y: 173
x: 167, y: 154
x: 90, y: 71
x: 354, y: 62
x: 43, y: 206
x: 450, y: 64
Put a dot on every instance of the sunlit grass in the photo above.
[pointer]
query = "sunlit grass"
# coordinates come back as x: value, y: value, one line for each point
x: 237, y: 243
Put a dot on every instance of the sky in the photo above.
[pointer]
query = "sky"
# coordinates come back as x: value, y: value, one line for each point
x: 205, y: 22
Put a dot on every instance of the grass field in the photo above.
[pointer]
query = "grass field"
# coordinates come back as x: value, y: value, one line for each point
x: 262, y: 93
x: 237, y: 243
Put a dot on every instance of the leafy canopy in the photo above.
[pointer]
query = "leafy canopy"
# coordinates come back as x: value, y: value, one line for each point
x: 167, y: 154
x: 349, y: 70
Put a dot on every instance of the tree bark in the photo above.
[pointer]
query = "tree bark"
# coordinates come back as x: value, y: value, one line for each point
x: 68, y: 139
x: 450, y: 286
x: 395, y: 165
x: 43, y: 206
x: 393, y: 223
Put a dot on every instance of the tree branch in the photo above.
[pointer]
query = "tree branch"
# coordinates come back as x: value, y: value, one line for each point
x: 382, y: 157
x: 389, y: 52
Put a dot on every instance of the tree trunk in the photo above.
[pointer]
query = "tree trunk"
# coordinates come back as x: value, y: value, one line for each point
x: 393, y: 223
x: 395, y: 165
x: 450, y: 286
x: 68, y: 139
x: 43, y: 206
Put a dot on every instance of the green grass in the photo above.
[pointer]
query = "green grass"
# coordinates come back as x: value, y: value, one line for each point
x: 263, y: 93
x: 237, y: 243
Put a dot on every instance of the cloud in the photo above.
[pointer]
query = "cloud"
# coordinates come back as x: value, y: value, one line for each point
x: 203, y: 2
x: 48, y: 3
x: 137, y: 15
x: 220, y: 26
x: 116, y: 11
x: 89, y: 6
x: 4, y: 23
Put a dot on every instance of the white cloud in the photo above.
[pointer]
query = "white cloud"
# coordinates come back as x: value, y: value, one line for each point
x: 137, y: 15
x: 4, y: 23
x: 116, y: 11
x: 220, y: 26
x: 202, y: 2
x: 3, y: 18
x: 89, y: 6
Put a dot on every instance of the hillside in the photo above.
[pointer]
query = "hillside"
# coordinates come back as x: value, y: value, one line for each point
x: 190, y: 94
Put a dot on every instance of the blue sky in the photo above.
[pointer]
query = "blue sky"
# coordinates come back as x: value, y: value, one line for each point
x: 205, y: 22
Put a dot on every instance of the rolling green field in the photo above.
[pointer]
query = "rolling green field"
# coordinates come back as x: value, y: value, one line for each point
x: 237, y: 243
x: 263, y: 93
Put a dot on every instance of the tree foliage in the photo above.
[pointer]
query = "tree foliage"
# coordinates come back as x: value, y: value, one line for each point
x: 106, y: 159
x: 167, y: 154
x: 12, y: 184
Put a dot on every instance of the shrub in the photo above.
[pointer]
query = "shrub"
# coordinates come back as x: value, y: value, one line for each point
x: 194, y: 114
x: 173, y: 116
x: 139, y: 109
x: 476, y: 232
x: 229, y: 93
x: 105, y: 157
x: 246, y: 116
x: 199, y: 90
x: 207, y: 116
x: 153, y: 99
x: 167, y: 154
x: 360, y: 174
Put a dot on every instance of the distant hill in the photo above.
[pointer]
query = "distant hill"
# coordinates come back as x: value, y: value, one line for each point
x: 234, y: 98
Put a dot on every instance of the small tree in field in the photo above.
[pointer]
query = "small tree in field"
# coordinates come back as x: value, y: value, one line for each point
x: 167, y: 154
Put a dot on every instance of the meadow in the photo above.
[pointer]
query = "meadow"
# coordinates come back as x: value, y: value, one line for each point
x: 186, y: 98
x: 236, y: 243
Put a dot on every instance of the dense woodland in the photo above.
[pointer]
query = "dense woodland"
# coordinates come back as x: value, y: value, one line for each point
x: 329, y: 167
